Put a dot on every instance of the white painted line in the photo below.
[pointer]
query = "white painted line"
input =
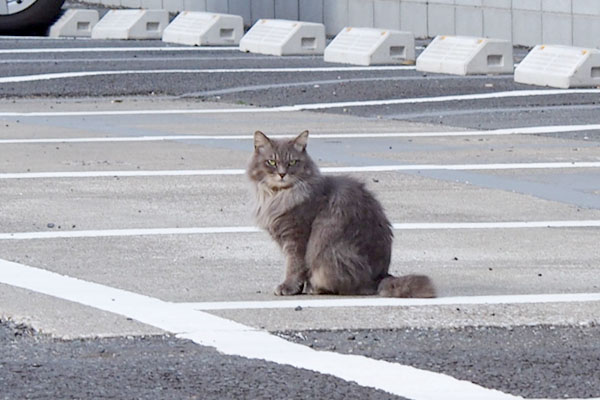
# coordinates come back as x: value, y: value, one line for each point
x: 85, y: 74
x: 232, y: 338
x: 363, y: 135
x: 465, y: 97
x: 108, y: 174
x: 373, y: 168
x: 127, y: 232
x: 396, y: 302
x: 498, y: 225
x: 240, y: 110
x: 56, y: 50
x: 127, y: 139
x: 145, y: 58
x: 464, y: 167
x: 301, y: 107
x: 252, y: 229
x: 23, y: 38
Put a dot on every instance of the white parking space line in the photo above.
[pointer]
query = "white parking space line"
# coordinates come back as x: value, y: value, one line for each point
x: 396, y: 302
x: 371, y: 168
x: 56, y: 50
x: 466, y: 167
x: 302, y: 107
x: 105, y: 174
x: 233, y: 338
x: 85, y: 74
x: 439, y: 99
x: 145, y: 112
x: 127, y: 232
x: 252, y: 229
x: 365, y: 135
x: 498, y: 225
x: 183, y: 57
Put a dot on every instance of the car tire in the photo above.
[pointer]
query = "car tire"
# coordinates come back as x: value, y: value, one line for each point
x: 35, y: 19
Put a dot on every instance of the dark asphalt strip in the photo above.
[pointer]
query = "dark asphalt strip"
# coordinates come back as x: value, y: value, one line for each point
x: 34, y: 366
x: 529, y: 361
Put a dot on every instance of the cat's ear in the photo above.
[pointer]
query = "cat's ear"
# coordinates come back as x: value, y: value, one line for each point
x: 301, y: 141
x: 261, y: 140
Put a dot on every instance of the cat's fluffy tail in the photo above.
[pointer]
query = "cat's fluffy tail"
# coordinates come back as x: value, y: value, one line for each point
x: 406, y: 286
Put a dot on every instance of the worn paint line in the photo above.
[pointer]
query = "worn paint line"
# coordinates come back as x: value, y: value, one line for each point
x: 304, y: 107
x: 143, y: 58
x: 439, y: 99
x: 86, y: 74
x: 56, y: 50
x: 233, y: 338
x: 395, y: 302
x: 498, y: 225
x: 363, y: 135
x: 105, y: 113
x: 251, y: 229
x: 466, y: 167
x: 126, y: 232
x: 105, y: 174
x: 373, y: 168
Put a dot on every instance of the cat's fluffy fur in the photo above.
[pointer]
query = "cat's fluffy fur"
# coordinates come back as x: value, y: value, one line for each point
x: 334, y: 233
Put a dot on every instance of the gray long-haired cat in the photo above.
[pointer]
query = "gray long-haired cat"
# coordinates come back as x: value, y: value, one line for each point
x: 334, y: 233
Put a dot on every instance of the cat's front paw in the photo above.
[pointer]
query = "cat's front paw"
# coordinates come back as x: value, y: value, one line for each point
x: 289, y: 289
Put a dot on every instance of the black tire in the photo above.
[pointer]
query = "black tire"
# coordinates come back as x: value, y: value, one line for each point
x: 33, y: 20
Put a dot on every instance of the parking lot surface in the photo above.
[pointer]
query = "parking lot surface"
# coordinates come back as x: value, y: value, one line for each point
x: 127, y: 232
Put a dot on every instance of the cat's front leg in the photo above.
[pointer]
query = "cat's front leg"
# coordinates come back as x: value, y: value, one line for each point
x: 289, y: 288
x: 295, y: 273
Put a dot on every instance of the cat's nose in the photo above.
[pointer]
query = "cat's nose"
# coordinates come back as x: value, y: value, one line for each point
x: 282, y: 174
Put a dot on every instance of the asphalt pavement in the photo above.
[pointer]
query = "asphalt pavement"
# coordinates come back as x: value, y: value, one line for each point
x: 535, y: 354
x: 121, y: 165
x: 150, y: 367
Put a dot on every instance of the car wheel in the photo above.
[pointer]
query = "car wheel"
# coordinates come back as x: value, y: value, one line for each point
x: 28, y: 16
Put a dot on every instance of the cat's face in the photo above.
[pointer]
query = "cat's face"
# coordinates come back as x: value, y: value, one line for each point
x: 280, y: 164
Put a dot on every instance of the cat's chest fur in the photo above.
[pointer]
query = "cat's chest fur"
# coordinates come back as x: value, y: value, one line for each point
x: 274, y: 206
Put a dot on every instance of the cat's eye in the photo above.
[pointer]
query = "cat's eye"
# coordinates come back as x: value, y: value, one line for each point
x: 292, y: 163
x: 271, y: 163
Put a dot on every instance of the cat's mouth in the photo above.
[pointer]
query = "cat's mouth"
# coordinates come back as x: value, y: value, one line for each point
x: 280, y: 184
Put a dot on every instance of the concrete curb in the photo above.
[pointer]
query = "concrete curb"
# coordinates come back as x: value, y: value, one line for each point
x: 523, y: 22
